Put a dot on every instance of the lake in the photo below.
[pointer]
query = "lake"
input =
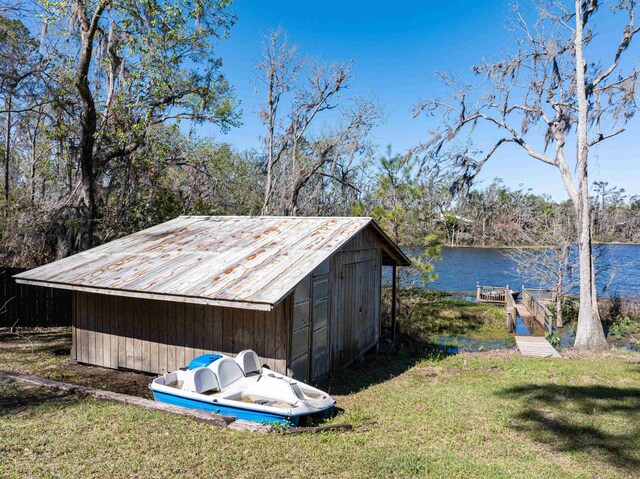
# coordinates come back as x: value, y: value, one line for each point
x: 462, y: 268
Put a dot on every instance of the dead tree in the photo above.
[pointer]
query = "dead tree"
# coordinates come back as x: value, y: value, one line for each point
x: 547, y: 259
x: 278, y: 71
x: 547, y: 92
x: 295, y: 149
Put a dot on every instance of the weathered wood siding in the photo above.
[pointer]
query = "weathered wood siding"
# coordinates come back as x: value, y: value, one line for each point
x: 160, y: 336
x: 354, y: 299
x: 338, y: 305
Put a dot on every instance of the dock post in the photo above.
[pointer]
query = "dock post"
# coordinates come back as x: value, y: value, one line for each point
x: 478, y: 289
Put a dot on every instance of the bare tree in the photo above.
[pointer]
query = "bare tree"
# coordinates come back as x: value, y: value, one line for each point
x: 278, y: 71
x: 548, y: 89
x: 296, y: 149
x: 548, y: 260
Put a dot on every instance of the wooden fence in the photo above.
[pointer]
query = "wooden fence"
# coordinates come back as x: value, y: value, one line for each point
x: 28, y: 306
x: 539, y: 310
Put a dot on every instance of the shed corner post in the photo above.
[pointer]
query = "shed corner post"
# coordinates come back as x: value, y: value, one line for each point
x: 74, y: 334
x: 394, y: 304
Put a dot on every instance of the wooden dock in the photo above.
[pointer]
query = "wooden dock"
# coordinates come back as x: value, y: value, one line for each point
x: 536, y: 346
x: 533, y: 313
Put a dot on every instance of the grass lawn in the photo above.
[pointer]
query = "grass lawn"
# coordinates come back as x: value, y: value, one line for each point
x: 490, y: 414
x: 433, y: 318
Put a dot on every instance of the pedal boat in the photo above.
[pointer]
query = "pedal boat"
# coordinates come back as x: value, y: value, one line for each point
x: 240, y: 387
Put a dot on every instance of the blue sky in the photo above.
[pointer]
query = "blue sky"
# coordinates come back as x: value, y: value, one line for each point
x: 397, y: 47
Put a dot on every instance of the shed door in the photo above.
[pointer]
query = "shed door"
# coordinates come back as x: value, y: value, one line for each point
x: 359, y: 327
x: 319, y: 353
x: 309, y: 357
x: 300, y: 330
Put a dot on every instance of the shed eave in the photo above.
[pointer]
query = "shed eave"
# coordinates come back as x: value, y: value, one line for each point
x: 391, y: 248
x: 257, y: 306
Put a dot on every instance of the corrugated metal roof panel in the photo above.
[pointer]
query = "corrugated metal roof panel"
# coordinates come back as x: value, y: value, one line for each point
x: 249, y: 262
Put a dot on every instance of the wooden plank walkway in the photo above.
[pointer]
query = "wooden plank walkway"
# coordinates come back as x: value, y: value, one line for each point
x: 533, y: 346
x: 524, y: 313
x: 536, y: 346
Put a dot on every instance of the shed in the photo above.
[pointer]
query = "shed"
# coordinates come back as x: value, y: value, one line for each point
x: 303, y: 292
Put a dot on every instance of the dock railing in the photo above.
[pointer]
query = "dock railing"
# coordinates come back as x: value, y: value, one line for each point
x: 490, y: 294
x: 542, y: 295
x: 510, y: 310
x: 532, y: 302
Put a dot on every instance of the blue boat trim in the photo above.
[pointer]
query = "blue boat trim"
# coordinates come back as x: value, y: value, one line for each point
x: 238, y: 413
x: 225, y: 410
x: 203, y: 360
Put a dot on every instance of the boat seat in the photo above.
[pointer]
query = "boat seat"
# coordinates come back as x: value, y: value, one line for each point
x: 201, y: 380
x: 227, y: 371
x: 249, y: 362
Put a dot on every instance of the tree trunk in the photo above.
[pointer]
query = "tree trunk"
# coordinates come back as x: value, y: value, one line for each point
x: 89, y: 127
x: 7, y: 151
x: 590, y: 335
x: 559, y: 318
x: 272, y: 109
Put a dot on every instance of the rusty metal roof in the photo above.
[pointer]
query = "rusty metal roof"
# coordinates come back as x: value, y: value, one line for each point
x: 235, y: 261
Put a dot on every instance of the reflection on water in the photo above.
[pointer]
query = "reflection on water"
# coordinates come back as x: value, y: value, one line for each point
x: 457, y: 344
x: 521, y: 328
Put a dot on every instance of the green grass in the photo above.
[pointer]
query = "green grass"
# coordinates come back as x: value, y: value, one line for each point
x: 470, y: 415
x: 426, y: 316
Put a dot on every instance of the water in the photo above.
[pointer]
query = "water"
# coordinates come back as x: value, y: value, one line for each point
x: 456, y: 344
x: 461, y: 269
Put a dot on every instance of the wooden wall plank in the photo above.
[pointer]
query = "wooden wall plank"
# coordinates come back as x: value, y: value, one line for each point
x: 227, y: 339
x: 137, y: 344
x: 172, y: 340
x: 152, y: 336
x: 189, y: 330
x: 180, y: 322
x: 106, y: 330
x: 99, y: 315
x: 129, y: 311
x: 258, y: 332
x: 91, y: 327
x: 114, y: 331
x: 145, y: 335
x: 217, y: 329
x: 281, y: 320
x: 200, y: 331
x: 247, y: 329
x: 74, y: 323
x: 162, y: 335
x: 122, y: 331
x: 79, y: 326
x: 269, y: 343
